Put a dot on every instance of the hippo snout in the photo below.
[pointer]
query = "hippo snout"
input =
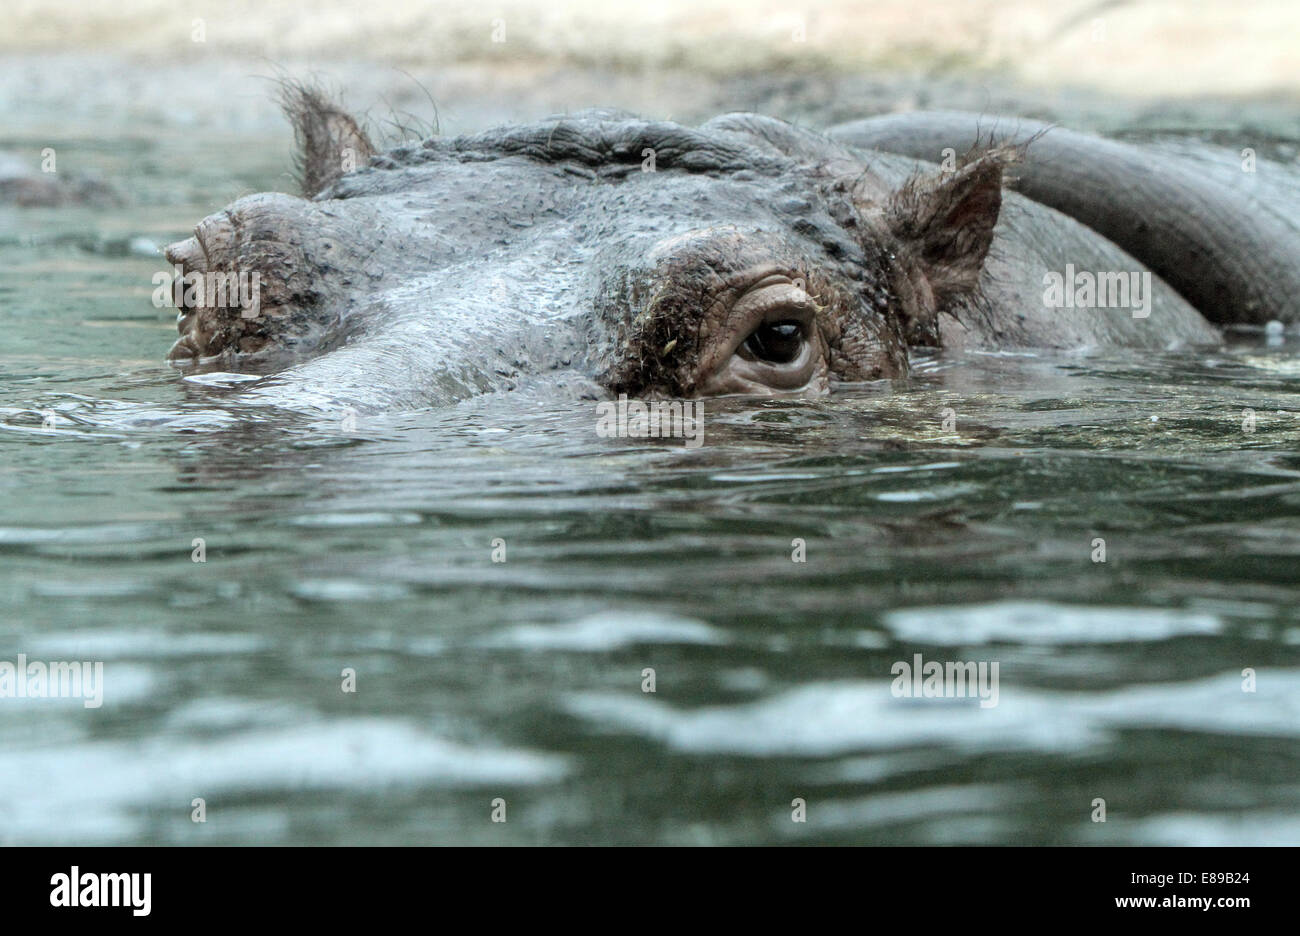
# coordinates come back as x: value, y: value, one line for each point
x: 243, y: 277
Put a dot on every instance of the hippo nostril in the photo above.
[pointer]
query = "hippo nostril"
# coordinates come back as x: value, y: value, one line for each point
x: 216, y: 238
x: 187, y: 254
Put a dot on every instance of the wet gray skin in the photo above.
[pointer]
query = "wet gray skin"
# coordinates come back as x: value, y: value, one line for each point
x: 1221, y: 225
x: 756, y: 258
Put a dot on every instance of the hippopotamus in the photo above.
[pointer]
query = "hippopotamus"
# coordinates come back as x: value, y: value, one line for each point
x: 22, y: 185
x: 608, y: 254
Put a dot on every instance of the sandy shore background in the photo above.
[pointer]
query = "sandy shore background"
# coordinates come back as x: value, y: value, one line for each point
x: 131, y: 66
x: 1164, y: 47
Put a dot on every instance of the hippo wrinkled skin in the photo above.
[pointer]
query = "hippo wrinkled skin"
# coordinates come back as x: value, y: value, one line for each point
x: 609, y: 254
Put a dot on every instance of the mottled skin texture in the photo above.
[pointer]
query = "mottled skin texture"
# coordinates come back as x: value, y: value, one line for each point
x: 1222, y: 229
x: 755, y: 258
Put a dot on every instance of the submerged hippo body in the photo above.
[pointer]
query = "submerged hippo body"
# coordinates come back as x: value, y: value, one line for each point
x: 23, y: 185
x: 616, y: 255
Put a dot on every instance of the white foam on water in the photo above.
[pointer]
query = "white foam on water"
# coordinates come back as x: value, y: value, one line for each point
x: 102, y: 644
x: 96, y: 792
x: 1192, y: 829
x: 347, y: 590
x: 326, y: 520
x: 826, y: 719
x: 1044, y: 623
x: 924, y: 805
x: 608, y: 631
x: 832, y: 718
x: 221, y: 379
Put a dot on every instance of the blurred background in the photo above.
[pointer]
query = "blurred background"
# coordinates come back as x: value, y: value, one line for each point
x: 155, y: 63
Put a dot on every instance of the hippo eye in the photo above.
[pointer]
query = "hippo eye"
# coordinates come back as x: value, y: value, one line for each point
x: 768, y: 342
x: 776, y: 342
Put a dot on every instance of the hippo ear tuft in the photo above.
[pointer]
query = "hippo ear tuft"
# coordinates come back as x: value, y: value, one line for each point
x: 329, y: 141
x: 947, y: 220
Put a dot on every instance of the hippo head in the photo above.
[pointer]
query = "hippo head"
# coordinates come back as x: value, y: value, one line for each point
x: 745, y: 256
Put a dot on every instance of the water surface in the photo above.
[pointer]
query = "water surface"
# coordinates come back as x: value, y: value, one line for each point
x: 371, y: 547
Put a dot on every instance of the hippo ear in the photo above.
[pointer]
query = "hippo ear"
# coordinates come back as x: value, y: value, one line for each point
x: 330, y: 143
x: 947, y: 220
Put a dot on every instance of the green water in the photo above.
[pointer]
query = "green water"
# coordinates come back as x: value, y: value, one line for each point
x: 477, y: 680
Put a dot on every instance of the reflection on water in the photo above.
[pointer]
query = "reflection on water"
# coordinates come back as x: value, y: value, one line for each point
x: 372, y: 549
